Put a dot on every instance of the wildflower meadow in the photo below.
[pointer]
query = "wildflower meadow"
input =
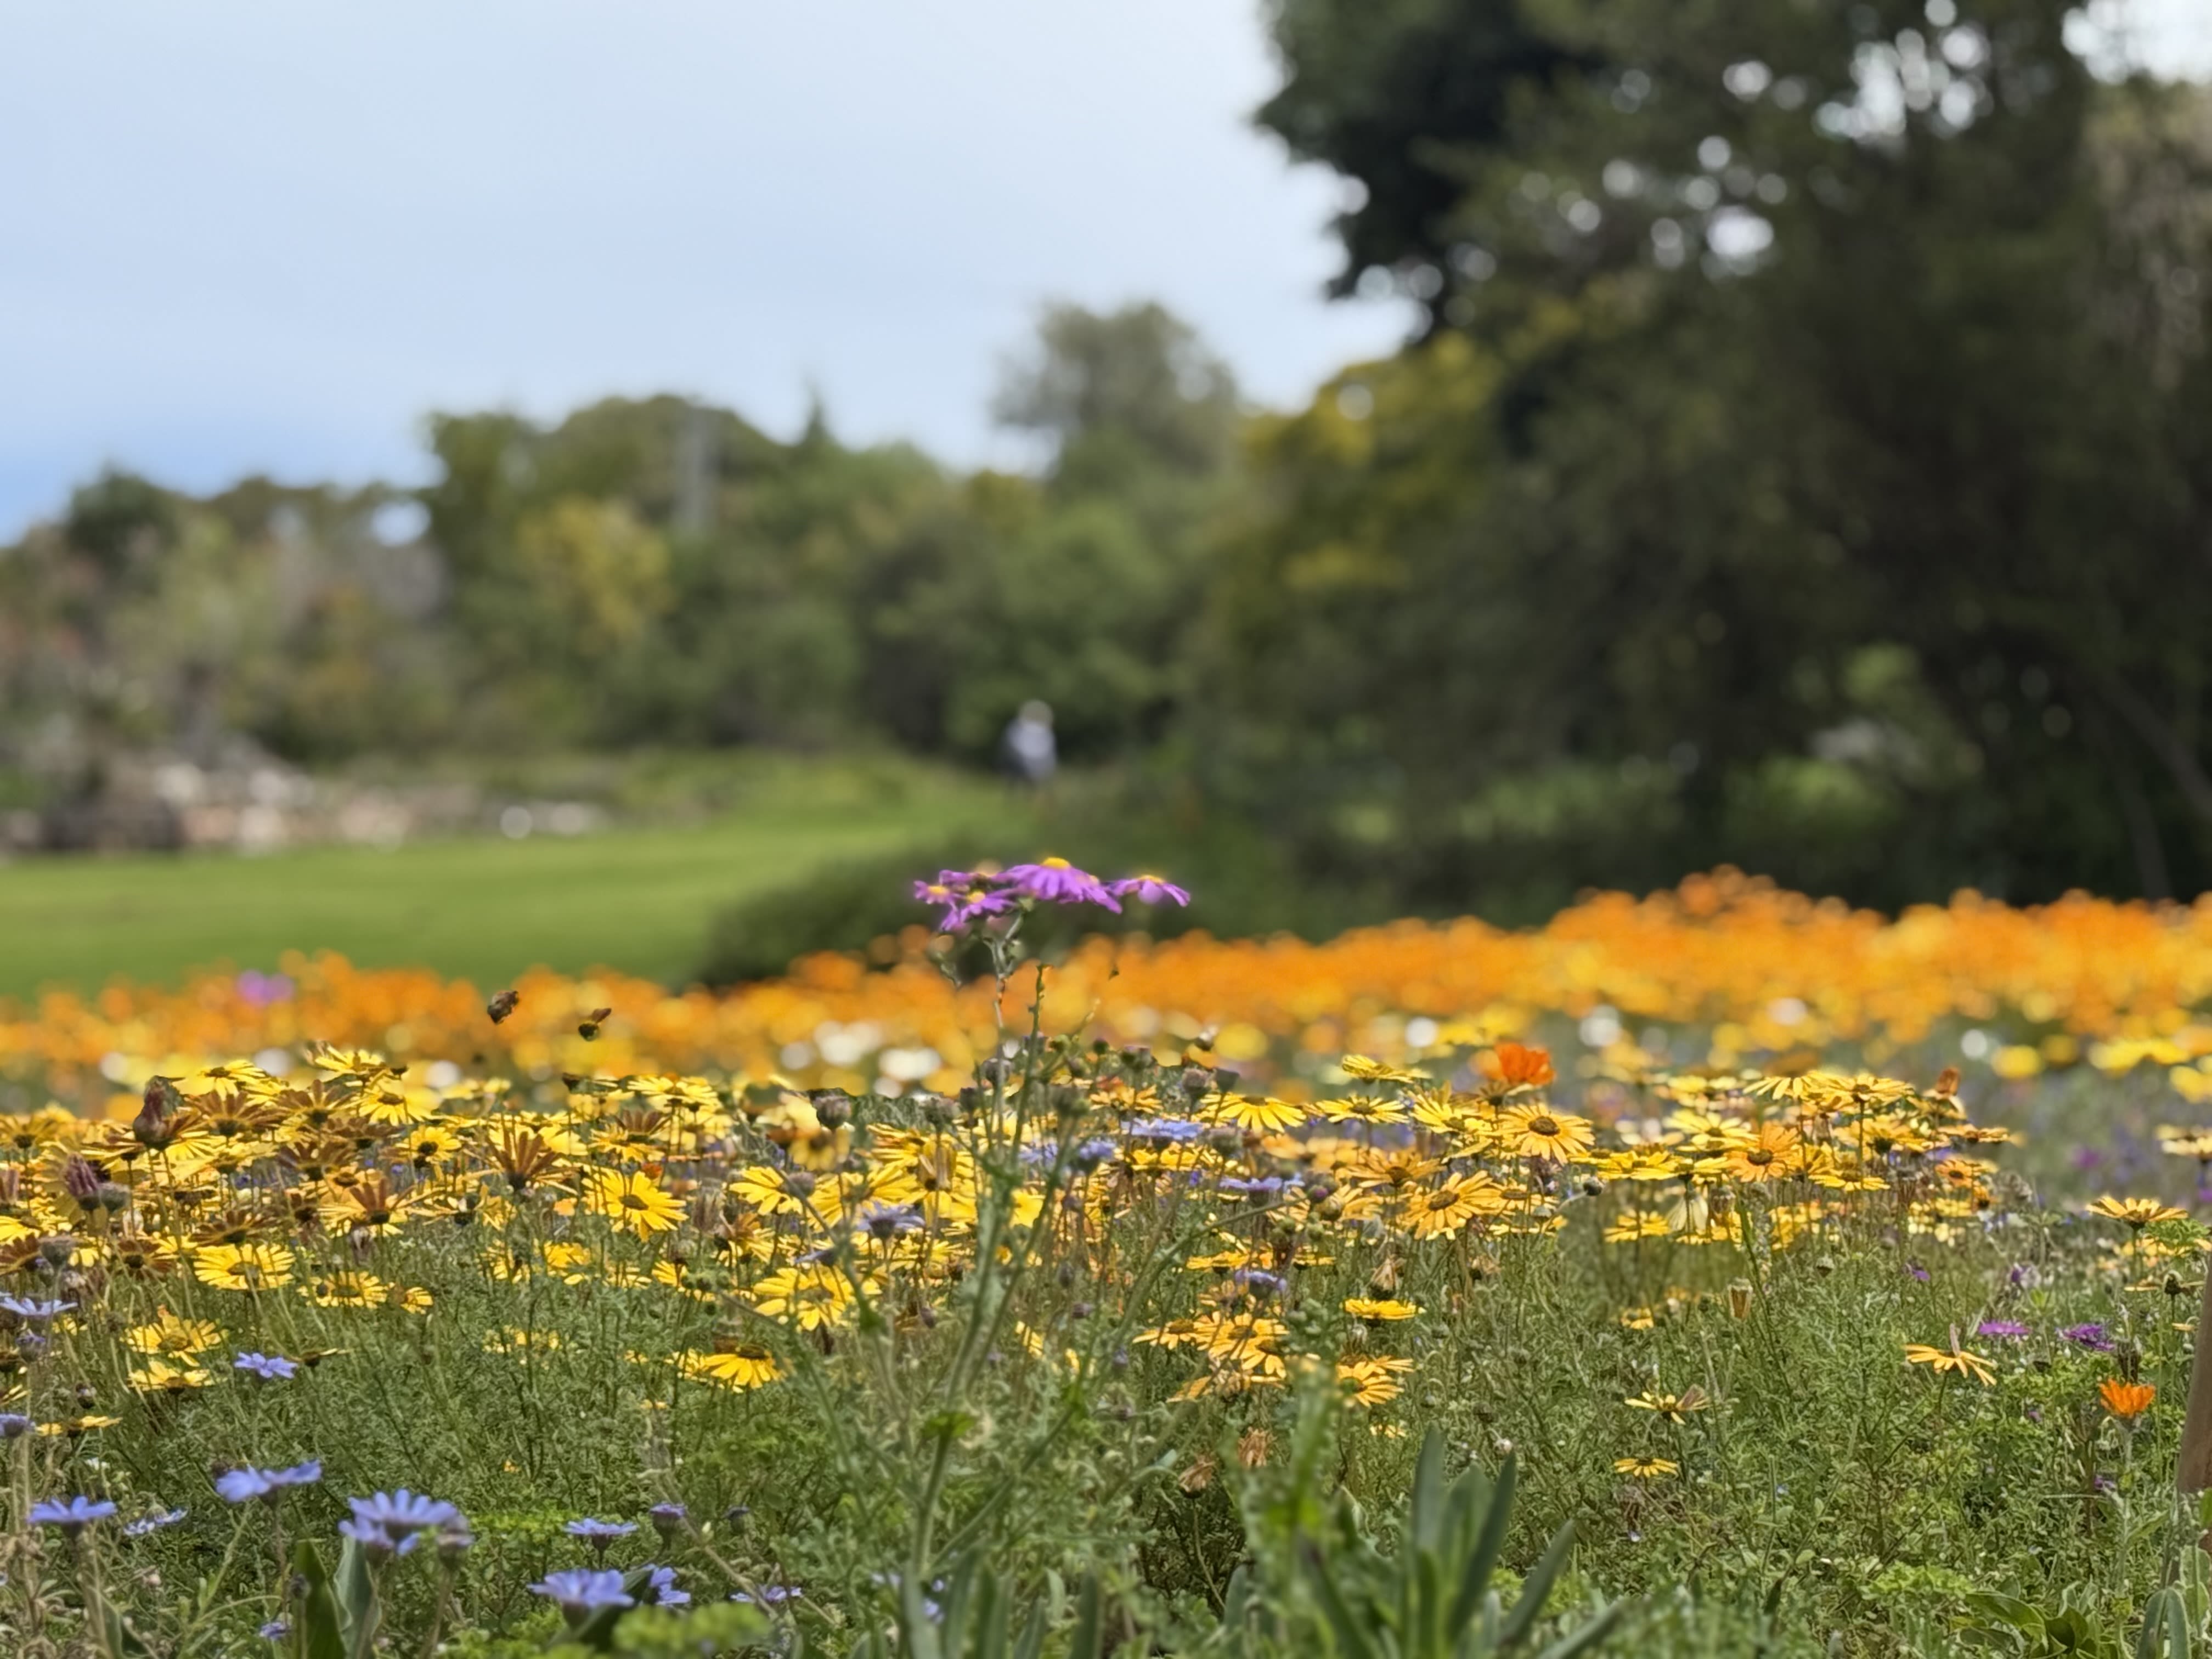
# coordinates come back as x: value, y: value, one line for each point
x: 1722, y: 1273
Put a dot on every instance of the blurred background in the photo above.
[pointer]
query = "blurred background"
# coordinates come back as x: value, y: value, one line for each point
x: 583, y: 485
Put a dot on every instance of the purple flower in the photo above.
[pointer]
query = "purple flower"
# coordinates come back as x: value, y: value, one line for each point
x: 32, y: 1312
x: 2091, y: 1336
x: 268, y: 1367
x: 1259, y: 1281
x: 965, y: 894
x: 240, y: 1485
x: 1174, y: 1130
x: 582, y: 1592
x: 402, y: 1513
x: 2011, y: 1329
x: 262, y: 989
x: 275, y: 1630
x: 1058, y: 882
x: 1916, y: 1271
x: 660, y: 1587
x: 72, y: 1516
x: 1148, y: 890
x: 976, y: 903
x: 668, y: 1519
x: 772, y: 1595
x: 13, y: 1425
x: 1253, y: 1186
x: 154, y: 1522
x: 599, y: 1534
x: 375, y: 1539
x: 885, y: 1222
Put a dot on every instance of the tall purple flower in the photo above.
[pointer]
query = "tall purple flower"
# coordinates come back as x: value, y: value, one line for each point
x: 240, y: 1485
x: 32, y: 1311
x: 599, y: 1534
x: 1148, y: 890
x: 1058, y: 882
x: 403, y: 1513
x: 72, y: 1516
x: 580, y: 1592
x: 2090, y: 1336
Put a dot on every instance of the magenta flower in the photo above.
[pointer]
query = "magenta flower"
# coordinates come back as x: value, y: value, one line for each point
x: 2011, y: 1329
x: 1058, y: 882
x: 974, y: 905
x: 1148, y: 890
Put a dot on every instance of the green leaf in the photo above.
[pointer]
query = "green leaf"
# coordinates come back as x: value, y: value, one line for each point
x: 1474, y: 1577
x: 1583, y: 1640
x: 2006, y: 1610
x: 1089, y: 1639
x: 118, y: 1638
x: 1351, y: 1639
x: 1536, y: 1587
x: 355, y: 1591
x: 317, y: 1633
x: 1428, y: 1513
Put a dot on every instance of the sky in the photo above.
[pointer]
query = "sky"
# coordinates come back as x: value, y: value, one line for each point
x: 243, y: 236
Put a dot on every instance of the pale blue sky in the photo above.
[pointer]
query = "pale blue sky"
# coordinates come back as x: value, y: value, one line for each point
x: 242, y: 235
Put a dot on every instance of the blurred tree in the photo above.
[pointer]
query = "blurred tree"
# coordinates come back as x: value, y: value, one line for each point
x: 1112, y: 390
x: 1809, y: 434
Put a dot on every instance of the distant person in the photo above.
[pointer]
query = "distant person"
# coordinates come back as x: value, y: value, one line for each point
x: 1030, y: 753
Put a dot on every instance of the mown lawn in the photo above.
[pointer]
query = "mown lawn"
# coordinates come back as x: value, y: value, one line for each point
x: 634, y: 898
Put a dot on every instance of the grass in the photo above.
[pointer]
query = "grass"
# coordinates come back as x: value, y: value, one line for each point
x: 638, y: 899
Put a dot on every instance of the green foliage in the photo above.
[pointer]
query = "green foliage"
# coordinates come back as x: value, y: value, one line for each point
x: 1431, y: 1598
x: 1737, y: 384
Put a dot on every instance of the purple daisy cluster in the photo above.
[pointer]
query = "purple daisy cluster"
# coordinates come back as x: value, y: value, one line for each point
x: 969, y: 896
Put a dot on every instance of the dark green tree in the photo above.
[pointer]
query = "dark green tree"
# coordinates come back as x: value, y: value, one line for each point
x: 1801, y: 466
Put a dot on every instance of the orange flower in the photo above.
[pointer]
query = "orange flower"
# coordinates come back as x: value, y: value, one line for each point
x: 2125, y: 1401
x: 1517, y: 1065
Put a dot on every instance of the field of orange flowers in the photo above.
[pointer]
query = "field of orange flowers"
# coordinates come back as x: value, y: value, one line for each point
x: 1752, y: 970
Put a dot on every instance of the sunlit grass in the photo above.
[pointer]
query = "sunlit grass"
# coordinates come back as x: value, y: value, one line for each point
x: 633, y: 898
